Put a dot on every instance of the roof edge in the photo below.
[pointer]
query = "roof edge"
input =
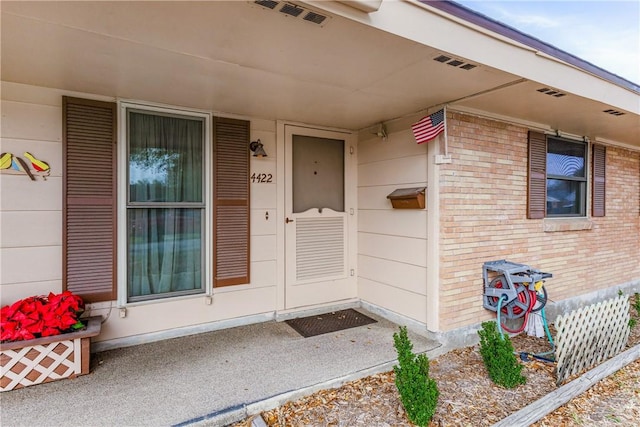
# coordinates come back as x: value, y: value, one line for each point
x: 505, y: 30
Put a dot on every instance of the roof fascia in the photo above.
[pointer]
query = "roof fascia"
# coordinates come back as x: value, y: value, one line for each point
x: 490, y: 24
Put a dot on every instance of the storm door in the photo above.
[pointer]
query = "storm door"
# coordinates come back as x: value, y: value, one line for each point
x: 317, y: 209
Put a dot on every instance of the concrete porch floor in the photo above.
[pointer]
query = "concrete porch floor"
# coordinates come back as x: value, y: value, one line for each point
x: 212, y: 379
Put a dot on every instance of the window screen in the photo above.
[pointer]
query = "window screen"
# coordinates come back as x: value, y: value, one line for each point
x: 318, y: 173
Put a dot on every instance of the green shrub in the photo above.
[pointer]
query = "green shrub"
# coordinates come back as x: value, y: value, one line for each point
x: 636, y: 303
x: 497, y: 354
x: 418, y: 392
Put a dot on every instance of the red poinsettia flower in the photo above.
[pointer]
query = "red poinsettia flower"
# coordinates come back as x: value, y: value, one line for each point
x: 48, y: 332
x: 6, y: 313
x: 8, y: 330
x: 34, y: 326
x: 40, y: 316
x: 24, y: 334
x: 67, y: 300
x: 60, y: 318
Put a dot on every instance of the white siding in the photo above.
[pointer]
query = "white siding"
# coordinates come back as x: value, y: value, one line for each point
x: 20, y: 229
x: 397, y: 300
x: 406, y: 250
x: 29, y: 121
x: 395, y: 222
x: 30, y: 211
x: 30, y: 264
x: 392, y: 273
x: 392, y: 243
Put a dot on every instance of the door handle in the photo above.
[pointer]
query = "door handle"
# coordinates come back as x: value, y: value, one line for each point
x: 287, y: 220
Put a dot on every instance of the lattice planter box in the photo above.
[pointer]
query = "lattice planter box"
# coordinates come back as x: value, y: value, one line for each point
x: 41, y: 360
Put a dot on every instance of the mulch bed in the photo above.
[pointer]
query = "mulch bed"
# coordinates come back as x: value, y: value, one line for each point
x: 614, y: 401
x: 467, y: 395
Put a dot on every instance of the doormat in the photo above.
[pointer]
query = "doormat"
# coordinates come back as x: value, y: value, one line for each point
x: 329, y: 322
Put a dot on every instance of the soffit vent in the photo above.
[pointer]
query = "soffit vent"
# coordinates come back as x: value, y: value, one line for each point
x: 614, y: 112
x: 552, y: 92
x: 294, y: 11
x: 291, y: 9
x: 316, y: 18
x: 458, y: 63
x: 271, y: 4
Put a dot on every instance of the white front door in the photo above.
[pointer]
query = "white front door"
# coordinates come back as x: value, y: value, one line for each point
x: 320, y: 221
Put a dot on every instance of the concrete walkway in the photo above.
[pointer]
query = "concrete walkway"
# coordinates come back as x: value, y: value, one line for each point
x: 207, y: 379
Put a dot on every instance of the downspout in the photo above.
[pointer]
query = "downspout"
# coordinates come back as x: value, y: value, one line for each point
x: 433, y: 237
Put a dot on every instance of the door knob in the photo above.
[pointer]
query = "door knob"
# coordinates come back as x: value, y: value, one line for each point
x: 287, y: 220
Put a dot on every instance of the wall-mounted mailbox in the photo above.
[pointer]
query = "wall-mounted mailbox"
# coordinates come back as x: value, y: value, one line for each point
x: 408, y: 198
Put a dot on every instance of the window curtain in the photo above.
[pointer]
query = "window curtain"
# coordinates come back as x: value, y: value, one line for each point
x: 165, y: 205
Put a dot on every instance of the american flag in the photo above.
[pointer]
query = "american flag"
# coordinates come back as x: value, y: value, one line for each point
x: 428, y: 127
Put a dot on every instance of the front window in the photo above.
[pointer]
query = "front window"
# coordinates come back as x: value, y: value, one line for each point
x: 165, y: 205
x: 566, y: 178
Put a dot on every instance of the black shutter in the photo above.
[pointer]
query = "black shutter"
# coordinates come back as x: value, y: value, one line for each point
x: 599, y: 180
x: 89, y: 206
x: 537, y: 184
x: 231, y: 201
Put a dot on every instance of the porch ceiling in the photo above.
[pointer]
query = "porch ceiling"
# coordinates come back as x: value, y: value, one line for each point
x: 241, y: 58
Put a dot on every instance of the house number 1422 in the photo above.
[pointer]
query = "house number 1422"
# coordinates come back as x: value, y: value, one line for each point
x: 261, y: 178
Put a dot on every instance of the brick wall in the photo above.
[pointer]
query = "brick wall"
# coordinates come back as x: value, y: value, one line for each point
x: 483, y: 217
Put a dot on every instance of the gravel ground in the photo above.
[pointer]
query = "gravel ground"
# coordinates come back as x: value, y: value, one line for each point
x: 468, y: 397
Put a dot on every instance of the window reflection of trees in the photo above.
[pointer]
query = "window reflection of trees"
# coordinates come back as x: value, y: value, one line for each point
x: 566, y: 177
x: 150, y: 171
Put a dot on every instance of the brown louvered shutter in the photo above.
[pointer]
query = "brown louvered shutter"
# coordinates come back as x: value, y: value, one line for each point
x: 599, y: 180
x: 537, y: 184
x: 231, y: 201
x: 89, y: 207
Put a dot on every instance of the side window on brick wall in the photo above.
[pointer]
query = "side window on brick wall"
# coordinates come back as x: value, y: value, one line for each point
x: 558, y: 180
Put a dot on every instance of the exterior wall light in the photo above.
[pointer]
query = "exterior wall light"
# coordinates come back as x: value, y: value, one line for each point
x: 258, y: 149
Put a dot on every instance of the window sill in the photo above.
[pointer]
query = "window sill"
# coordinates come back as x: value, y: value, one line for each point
x: 162, y: 300
x: 552, y: 225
